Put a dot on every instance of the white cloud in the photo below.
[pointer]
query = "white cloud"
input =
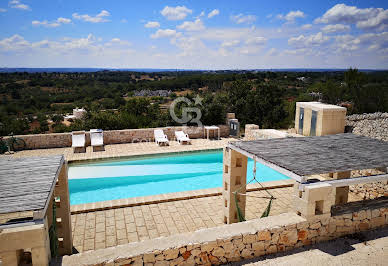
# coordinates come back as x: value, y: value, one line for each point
x: 305, y: 41
x: 241, y: 18
x: 167, y: 33
x: 378, y: 22
x: 196, y: 25
x: 18, y: 5
x: 335, y: 28
x: 375, y: 42
x: 228, y: 44
x: 256, y: 41
x: 272, y: 52
x: 3, y: 10
x: 53, y: 24
x: 175, y: 13
x: 152, y: 24
x: 364, y: 18
x: 64, y: 20
x: 123, y: 20
x: 307, y: 26
x: 100, y: 17
x: 117, y: 42
x: 213, y: 13
x: 13, y: 43
x: 291, y: 16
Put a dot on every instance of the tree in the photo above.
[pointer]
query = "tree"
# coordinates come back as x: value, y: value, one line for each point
x: 354, y: 82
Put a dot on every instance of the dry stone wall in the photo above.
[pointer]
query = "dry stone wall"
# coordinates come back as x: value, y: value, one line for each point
x: 373, y: 125
x: 60, y: 140
x: 235, y: 242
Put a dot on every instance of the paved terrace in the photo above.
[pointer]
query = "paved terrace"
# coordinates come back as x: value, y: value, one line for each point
x: 101, y: 229
x: 127, y: 149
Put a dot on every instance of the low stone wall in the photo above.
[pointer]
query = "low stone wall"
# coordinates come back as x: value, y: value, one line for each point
x: 60, y: 140
x: 235, y: 242
x: 253, y: 132
x: 373, y: 125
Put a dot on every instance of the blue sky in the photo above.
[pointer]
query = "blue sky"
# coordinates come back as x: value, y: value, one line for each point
x: 194, y: 34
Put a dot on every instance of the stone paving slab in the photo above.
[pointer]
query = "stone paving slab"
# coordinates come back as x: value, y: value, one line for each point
x: 107, y: 228
x: 101, y: 229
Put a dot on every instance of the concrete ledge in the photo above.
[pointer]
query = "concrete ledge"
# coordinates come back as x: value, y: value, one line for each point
x: 201, y: 193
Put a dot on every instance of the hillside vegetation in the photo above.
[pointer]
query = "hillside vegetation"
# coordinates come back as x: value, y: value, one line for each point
x: 37, y: 102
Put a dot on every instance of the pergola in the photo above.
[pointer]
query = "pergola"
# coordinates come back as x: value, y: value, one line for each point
x: 29, y: 189
x: 299, y: 159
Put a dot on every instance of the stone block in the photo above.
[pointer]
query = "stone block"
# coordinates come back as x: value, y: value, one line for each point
x: 249, y: 239
x: 258, y: 246
x: 149, y: 258
x: 302, y: 234
x: 288, y: 237
x: 263, y: 235
x: 218, y: 252
x: 377, y: 222
x: 318, y: 192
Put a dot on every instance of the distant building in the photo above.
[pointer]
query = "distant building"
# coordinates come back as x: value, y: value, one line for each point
x: 303, y: 79
x: 78, y: 113
x: 160, y: 93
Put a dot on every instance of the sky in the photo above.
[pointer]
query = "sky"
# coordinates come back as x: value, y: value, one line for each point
x: 248, y: 34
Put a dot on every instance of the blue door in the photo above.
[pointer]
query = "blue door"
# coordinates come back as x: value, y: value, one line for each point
x: 301, y: 118
x: 313, y: 123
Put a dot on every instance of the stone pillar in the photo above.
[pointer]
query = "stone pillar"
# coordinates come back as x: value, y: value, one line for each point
x: 41, y: 254
x: 63, y: 216
x: 342, y: 193
x: 234, y: 178
x: 249, y: 131
x: 315, y: 201
x: 11, y: 258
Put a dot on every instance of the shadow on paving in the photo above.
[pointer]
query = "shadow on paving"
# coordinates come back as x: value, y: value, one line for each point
x: 334, y: 247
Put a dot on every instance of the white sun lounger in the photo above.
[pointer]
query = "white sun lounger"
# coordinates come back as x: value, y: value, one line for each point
x: 182, y: 137
x: 160, y: 137
x: 78, y: 141
x: 97, y: 139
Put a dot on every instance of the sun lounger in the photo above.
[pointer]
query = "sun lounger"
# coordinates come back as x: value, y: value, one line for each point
x: 78, y: 141
x: 182, y: 137
x: 160, y: 137
x: 97, y: 139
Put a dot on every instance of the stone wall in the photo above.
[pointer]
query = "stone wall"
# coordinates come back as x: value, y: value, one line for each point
x: 235, y: 242
x: 371, y: 125
x: 253, y: 132
x: 60, y: 140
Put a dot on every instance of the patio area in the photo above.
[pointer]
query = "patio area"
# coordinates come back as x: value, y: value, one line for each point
x: 107, y: 228
x: 101, y: 229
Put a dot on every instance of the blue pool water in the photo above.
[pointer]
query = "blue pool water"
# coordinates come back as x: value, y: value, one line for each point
x: 108, y: 180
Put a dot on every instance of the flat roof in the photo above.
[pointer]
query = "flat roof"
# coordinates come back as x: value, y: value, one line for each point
x: 317, y: 155
x: 321, y: 106
x: 26, y: 184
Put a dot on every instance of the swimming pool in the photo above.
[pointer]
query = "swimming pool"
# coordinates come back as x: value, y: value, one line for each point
x: 145, y: 176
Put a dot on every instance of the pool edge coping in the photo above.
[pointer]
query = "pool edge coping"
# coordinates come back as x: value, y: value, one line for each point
x: 169, y: 197
x: 140, y: 155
